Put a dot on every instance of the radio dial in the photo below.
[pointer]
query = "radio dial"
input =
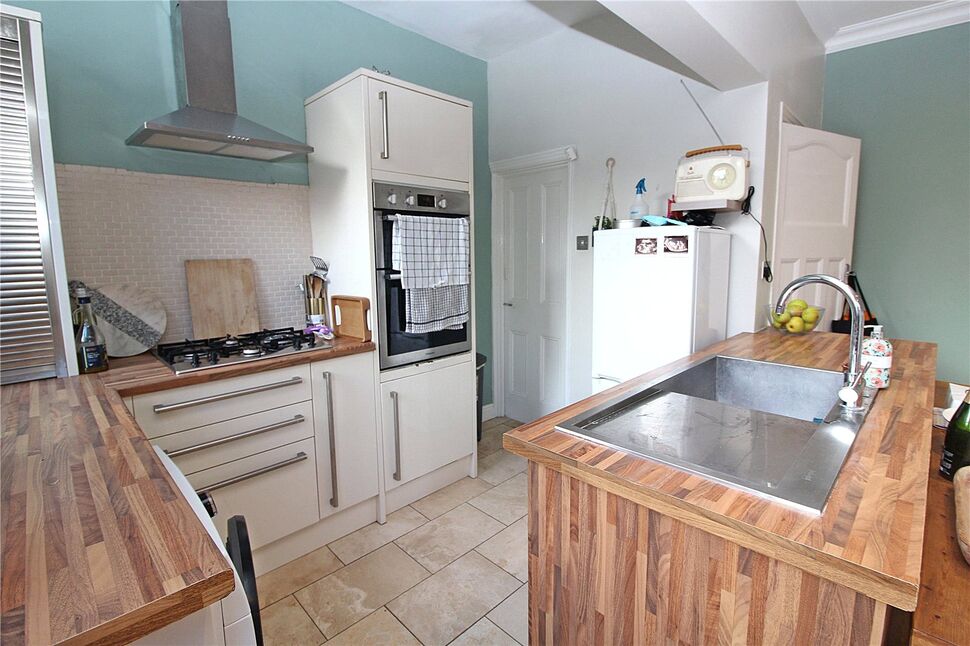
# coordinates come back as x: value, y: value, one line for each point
x: 409, y: 200
x: 442, y: 203
x: 392, y: 198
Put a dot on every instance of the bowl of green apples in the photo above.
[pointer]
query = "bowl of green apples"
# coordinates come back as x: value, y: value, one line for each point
x: 798, y: 318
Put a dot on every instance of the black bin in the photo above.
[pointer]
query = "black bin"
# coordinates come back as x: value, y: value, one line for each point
x: 480, y: 361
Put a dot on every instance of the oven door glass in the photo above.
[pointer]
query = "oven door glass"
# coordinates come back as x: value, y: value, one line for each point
x: 400, y: 348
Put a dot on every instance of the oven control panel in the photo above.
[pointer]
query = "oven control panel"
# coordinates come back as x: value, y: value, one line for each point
x: 420, y: 199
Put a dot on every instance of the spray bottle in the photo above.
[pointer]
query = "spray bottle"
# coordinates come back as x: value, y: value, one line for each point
x: 639, y: 207
x: 879, y: 352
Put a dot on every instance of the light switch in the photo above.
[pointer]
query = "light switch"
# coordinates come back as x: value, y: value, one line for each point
x: 582, y: 243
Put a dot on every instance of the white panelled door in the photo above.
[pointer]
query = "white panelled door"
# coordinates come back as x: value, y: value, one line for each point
x: 818, y: 178
x: 534, y: 210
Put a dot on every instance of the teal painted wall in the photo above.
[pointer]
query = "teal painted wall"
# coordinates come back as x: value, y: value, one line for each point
x: 908, y: 99
x: 110, y: 66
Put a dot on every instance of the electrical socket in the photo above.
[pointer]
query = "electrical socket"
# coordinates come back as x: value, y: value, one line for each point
x: 582, y: 243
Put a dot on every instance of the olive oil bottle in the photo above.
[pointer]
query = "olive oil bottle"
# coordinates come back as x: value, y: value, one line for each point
x: 92, y: 350
x: 956, y: 446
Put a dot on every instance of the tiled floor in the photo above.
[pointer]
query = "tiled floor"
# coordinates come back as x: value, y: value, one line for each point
x: 449, y: 568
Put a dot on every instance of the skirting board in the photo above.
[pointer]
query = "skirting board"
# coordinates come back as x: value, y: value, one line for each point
x: 488, y: 412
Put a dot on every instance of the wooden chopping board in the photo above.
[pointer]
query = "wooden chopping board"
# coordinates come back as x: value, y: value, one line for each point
x: 222, y: 297
x: 350, y: 316
x: 131, y: 319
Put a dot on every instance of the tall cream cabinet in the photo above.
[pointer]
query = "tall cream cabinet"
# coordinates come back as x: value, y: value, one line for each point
x: 366, y: 128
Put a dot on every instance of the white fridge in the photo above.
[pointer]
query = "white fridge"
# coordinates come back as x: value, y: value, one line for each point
x: 659, y: 294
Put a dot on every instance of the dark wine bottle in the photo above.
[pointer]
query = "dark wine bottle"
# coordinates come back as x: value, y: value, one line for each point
x: 956, y: 446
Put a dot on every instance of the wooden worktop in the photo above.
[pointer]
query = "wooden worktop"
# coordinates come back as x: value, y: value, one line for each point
x: 942, y: 615
x: 869, y: 537
x: 98, y: 545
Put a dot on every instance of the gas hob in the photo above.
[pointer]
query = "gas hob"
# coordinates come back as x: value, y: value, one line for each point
x: 201, y: 354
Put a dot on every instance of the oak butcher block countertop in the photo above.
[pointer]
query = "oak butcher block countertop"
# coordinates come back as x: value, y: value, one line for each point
x: 869, y: 537
x: 98, y: 546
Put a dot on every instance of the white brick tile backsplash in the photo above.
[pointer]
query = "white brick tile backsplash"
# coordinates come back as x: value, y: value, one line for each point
x: 140, y: 228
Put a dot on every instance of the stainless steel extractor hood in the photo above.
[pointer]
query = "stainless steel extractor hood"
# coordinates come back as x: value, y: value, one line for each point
x: 207, y: 88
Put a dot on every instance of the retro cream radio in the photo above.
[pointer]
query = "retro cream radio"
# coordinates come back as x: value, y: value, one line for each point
x: 719, y: 172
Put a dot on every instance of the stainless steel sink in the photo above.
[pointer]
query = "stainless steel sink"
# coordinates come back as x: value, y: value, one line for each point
x: 769, y: 428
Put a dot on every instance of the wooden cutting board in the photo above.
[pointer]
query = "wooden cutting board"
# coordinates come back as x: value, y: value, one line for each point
x: 222, y: 297
x: 351, y: 312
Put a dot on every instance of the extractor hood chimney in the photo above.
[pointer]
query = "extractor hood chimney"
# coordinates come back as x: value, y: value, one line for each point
x: 207, y: 88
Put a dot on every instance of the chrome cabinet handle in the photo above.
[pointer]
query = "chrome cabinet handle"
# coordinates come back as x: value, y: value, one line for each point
x: 386, y: 147
x: 397, y: 437
x: 334, y: 500
x: 232, y: 438
x: 299, y: 457
x: 164, y: 408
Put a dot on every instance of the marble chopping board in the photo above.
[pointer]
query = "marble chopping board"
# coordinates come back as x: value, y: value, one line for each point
x: 131, y: 319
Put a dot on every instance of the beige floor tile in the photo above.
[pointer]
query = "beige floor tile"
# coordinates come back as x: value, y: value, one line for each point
x: 493, y: 423
x: 484, y: 633
x: 512, y: 615
x: 509, y: 549
x: 353, y: 592
x: 443, y: 606
x: 367, y: 539
x: 491, y: 441
x: 447, y: 537
x: 500, y: 466
x: 378, y: 628
x: 507, y: 502
x: 446, y: 499
x: 285, y: 623
x: 289, y: 578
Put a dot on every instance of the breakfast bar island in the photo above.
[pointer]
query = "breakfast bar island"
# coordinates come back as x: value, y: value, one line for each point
x: 626, y: 549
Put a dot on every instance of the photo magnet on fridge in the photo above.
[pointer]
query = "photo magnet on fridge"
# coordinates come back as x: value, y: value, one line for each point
x: 646, y: 246
x: 675, y: 244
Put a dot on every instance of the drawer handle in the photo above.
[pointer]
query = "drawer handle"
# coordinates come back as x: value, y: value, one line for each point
x: 334, y: 500
x: 232, y: 438
x: 385, y: 144
x: 164, y: 408
x: 299, y: 457
x: 397, y: 437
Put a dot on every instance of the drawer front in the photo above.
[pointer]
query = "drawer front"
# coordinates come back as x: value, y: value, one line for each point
x: 209, y: 446
x: 170, y: 411
x: 276, y: 502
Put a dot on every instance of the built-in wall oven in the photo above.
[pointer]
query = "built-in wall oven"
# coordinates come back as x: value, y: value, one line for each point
x: 397, y: 347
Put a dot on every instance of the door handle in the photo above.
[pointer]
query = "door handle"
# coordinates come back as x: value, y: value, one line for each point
x: 385, y: 148
x: 299, y: 457
x: 232, y: 438
x: 397, y: 438
x: 162, y: 408
x: 334, y: 500
x: 507, y: 305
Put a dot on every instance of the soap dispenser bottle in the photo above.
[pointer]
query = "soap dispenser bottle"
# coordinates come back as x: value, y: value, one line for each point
x: 879, y: 352
x: 639, y: 207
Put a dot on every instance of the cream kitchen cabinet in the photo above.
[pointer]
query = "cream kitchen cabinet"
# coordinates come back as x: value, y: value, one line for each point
x: 427, y: 421
x: 345, y: 421
x: 417, y: 133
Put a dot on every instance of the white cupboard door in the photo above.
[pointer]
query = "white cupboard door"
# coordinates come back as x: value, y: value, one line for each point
x: 275, y: 490
x: 428, y: 421
x: 418, y: 134
x: 818, y: 176
x: 344, y: 411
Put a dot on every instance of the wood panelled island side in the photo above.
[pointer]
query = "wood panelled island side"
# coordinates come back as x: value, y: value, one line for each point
x: 624, y: 549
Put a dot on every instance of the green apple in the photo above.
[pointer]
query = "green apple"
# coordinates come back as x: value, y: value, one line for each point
x: 782, y: 318
x: 796, y: 307
x: 796, y: 325
x: 810, y: 315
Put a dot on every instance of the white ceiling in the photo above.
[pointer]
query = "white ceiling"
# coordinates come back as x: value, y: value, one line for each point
x: 481, y: 28
x: 486, y: 29
x: 826, y: 17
